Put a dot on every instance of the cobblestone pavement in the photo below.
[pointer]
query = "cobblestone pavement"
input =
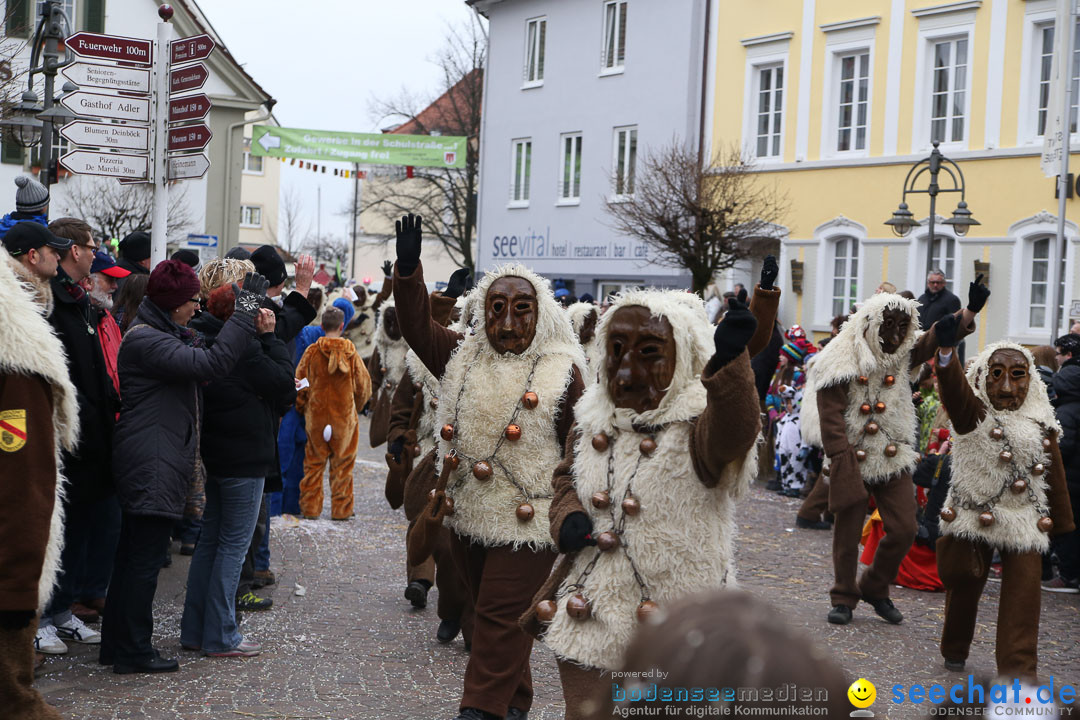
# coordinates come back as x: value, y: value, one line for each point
x: 351, y: 646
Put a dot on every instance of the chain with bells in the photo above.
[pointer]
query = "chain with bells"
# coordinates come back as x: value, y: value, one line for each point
x: 1017, y: 482
x: 483, y: 468
x: 578, y: 605
x: 873, y: 427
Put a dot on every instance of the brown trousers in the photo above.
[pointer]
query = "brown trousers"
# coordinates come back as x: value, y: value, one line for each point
x: 501, y: 584
x: 341, y: 452
x: 423, y: 571
x: 963, y: 566
x: 440, y: 571
x: 18, y: 698
x: 582, y: 690
x: 896, y: 503
x: 817, y: 502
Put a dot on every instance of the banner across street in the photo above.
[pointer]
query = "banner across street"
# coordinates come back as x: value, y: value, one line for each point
x: 443, y: 151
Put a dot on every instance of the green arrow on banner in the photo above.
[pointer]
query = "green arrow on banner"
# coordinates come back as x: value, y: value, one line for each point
x: 363, y: 148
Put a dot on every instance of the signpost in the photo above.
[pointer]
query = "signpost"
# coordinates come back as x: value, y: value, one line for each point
x: 108, y: 77
x: 110, y: 47
x: 107, y: 135
x: 189, y: 137
x: 189, y: 77
x: 101, y: 105
x: 196, y: 47
x: 106, y: 164
x: 187, y: 167
x: 189, y: 107
x: 443, y: 151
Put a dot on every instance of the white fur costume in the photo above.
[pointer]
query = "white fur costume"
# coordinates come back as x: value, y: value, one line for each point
x: 28, y: 346
x: 578, y: 312
x: 683, y: 538
x: 856, y: 352
x: 391, y: 355
x: 979, y: 474
x: 478, y: 396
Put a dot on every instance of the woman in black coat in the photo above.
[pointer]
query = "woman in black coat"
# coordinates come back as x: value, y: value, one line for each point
x: 162, y: 367
x: 238, y: 451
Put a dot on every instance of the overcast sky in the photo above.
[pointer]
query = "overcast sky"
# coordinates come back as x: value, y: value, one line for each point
x: 324, y: 60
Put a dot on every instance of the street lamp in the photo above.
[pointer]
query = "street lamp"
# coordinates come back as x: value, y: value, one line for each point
x: 22, y: 123
x: 902, y: 220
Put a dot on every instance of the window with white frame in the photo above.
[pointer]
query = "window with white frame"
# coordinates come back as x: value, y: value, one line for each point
x: 625, y: 161
x: 521, y: 170
x: 253, y: 164
x: 853, y: 101
x: 250, y: 216
x: 845, y: 288
x: 1041, y: 278
x: 570, y: 180
x: 535, y: 39
x: 948, y: 90
x: 613, y: 55
x: 1045, y: 41
x: 943, y: 255
x: 769, y: 113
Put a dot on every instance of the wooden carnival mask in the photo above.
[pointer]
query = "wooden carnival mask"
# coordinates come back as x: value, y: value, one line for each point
x: 390, y: 324
x: 1008, y: 378
x: 510, y: 313
x: 640, y: 358
x: 895, y: 326
x: 588, y: 328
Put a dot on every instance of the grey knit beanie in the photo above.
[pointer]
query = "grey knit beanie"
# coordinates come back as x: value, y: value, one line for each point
x: 32, y: 196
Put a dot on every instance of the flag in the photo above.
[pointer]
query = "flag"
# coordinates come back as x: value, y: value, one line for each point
x: 337, y: 272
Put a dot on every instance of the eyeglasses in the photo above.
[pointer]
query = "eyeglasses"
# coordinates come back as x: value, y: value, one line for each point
x: 90, y: 247
x: 194, y: 300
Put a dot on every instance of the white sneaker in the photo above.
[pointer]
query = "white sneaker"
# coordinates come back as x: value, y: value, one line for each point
x: 76, y: 631
x: 46, y: 641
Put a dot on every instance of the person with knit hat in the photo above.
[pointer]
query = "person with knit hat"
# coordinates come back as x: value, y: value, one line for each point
x: 163, y: 367
x: 31, y: 203
x: 134, y: 251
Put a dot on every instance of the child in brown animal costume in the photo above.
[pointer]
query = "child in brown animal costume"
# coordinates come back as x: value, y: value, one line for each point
x: 1008, y: 493
x: 339, y: 388
x: 665, y: 442
x: 858, y: 407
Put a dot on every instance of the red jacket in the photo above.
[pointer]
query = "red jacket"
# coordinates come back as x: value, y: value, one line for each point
x: 109, y: 337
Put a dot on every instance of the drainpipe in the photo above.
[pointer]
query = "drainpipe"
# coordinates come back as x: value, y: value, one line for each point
x: 228, y: 210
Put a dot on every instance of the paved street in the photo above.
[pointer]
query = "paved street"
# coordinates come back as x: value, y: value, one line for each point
x: 351, y: 647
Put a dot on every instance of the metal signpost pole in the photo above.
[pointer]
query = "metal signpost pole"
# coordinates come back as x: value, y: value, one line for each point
x: 159, y: 174
x: 53, y: 34
x: 355, y: 219
x: 1065, y: 76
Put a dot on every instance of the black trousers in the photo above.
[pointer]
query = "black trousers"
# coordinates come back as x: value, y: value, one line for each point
x: 129, y: 607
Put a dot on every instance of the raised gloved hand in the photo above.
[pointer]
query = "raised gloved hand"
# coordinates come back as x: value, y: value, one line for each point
x: 734, y: 331
x: 409, y: 236
x: 575, y: 533
x: 945, y: 330
x: 769, y: 271
x: 459, y: 282
x: 396, y: 447
x: 249, y: 298
x: 388, y: 269
x: 978, y: 294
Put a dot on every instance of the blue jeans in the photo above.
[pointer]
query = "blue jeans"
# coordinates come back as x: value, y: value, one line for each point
x: 232, y: 507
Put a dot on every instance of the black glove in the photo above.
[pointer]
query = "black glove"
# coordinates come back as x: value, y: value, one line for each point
x: 733, y: 332
x: 16, y: 619
x: 250, y: 298
x: 408, y: 244
x: 978, y: 294
x: 945, y: 329
x: 769, y: 271
x: 575, y: 533
x: 459, y: 282
x: 388, y: 269
x: 395, y: 449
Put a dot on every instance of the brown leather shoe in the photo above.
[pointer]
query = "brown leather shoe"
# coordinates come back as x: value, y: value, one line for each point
x: 85, y: 613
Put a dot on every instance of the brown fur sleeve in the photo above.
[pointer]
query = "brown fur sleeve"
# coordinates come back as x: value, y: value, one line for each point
x: 566, y: 500
x: 927, y: 345
x: 401, y: 408
x: 564, y: 421
x: 384, y: 292
x: 730, y: 424
x: 965, y: 410
x: 441, y: 308
x: 832, y: 403
x: 763, y: 305
x: 374, y: 368
x: 431, y: 342
x: 361, y: 383
x: 1057, y: 493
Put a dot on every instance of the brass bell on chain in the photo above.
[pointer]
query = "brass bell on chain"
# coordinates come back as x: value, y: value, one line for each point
x: 607, y: 541
x: 481, y: 470
x: 1046, y: 524
x: 513, y: 432
x: 997, y: 433
x: 948, y: 514
x: 530, y: 400
x: 578, y: 607
x: 1046, y: 443
x: 545, y: 610
x: 863, y: 380
x: 525, y: 512
x: 631, y: 506
x: 646, y: 609
x: 1039, y: 469
x: 872, y: 428
x: 648, y: 446
x: 1005, y: 456
x: 601, y: 500
x: 865, y: 408
x: 879, y: 407
x: 1019, y: 486
x: 890, y: 380
x: 860, y: 455
x: 453, y: 460
x: 447, y: 432
x: 986, y: 519
x: 600, y: 442
x: 433, y: 403
x: 448, y: 503
x: 890, y: 451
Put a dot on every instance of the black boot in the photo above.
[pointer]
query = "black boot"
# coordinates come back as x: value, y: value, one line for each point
x: 515, y: 714
x: 416, y: 593
x: 840, y: 615
x: 954, y: 665
x: 885, y: 609
x: 156, y: 665
x: 474, y: 714
x: 805, y: 524
x: 448, y: 630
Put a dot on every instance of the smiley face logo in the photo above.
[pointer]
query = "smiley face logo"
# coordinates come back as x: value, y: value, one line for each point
x: 862, y: 693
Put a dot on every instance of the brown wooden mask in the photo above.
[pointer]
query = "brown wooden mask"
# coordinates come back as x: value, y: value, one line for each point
x: 895, y: 326
x: 1008, y: 378
x: 640, y: 358
x: 390, y: 324
x: 588, y: 328
x: 510, y: 314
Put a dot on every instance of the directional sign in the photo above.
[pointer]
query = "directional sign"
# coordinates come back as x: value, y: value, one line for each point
x: 192, y: 107
x: 189, y: 137
x: 191, y: 77
x: 106, y: 164
x: 185, y: 167
x: 187, y: 49
x: 109, y: 77
x: 108, y: 106
x: 107, y: 135
x: 110, y: 47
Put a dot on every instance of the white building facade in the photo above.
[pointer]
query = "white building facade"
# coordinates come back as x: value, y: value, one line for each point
x: 576, y: 96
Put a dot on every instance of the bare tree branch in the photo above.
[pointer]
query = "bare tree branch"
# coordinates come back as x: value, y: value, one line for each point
x: 702, y: 221
x: 291, y: 210
x: 114, y: 210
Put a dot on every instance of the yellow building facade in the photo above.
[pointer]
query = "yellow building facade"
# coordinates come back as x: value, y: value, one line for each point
x: 836, y: 99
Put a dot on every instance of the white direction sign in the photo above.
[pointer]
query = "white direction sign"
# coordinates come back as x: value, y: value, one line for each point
x: 109, y: 77
x: 107, y: 135
x: 186, y: 167
x: 106, y: 164
x: 108, y: 106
